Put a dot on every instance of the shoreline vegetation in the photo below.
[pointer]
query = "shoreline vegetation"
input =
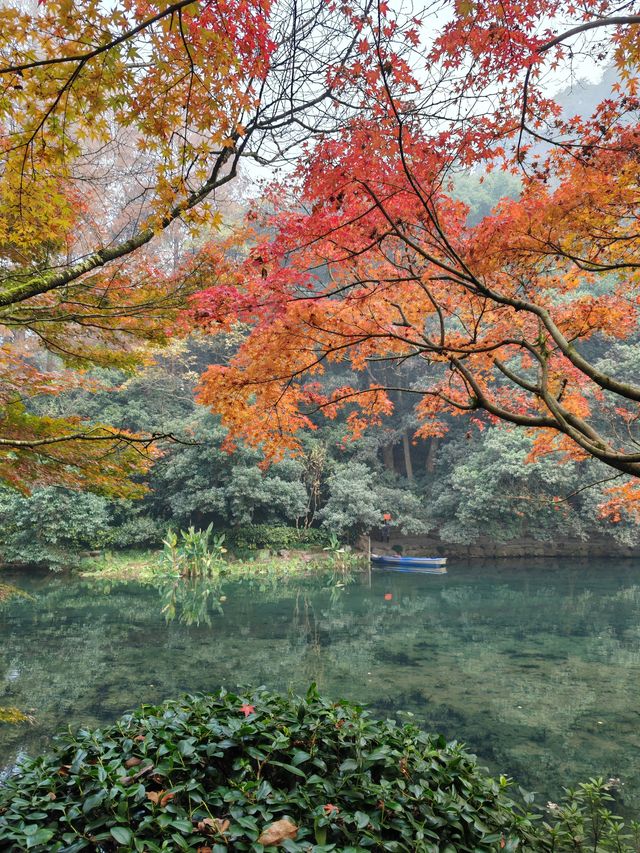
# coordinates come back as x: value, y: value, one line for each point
x: 253, y: 550
x: 262, y: 771
x: 149, y: 566
x: 190, y: 572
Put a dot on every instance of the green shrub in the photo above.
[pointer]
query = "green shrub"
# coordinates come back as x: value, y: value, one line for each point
x: 214, y: 772
x: 169, y: 777
x: 51, y: 526
x: 253, y: 536
x: 135, y: 530
x: 584, y: 821
x: 358, y: 495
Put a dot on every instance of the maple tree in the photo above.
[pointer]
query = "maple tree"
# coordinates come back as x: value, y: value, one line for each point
x: 121, y: 125
x: 374, y: 261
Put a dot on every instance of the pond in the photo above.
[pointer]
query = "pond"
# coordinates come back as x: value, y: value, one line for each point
x: 534, y: 665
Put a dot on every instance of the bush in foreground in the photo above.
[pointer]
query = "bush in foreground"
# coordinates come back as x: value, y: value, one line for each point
x: 260, y: 772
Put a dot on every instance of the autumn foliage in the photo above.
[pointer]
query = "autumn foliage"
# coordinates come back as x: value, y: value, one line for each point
x: 115, y: 122
x: 120, y: 125
x: 373, y: 262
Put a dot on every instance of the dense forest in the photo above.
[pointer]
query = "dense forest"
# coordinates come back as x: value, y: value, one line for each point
x: 436, y: 325
x: 480, y: 479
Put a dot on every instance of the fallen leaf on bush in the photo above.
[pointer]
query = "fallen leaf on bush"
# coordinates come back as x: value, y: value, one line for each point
x: 247, y: 709
x: 160, y: 798
x: 139, y: 737
x: 215, y: 824
x: 277, y: 832
x: 204, y: 850
x: 132, y: 762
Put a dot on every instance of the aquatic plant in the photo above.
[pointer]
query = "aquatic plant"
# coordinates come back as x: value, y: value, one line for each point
x: 341, y: 559
x: 194, y: 553
x: 190, y: 600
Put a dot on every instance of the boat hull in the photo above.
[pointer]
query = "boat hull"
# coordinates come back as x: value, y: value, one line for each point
x: 383, y: 567
x: 420, y: 565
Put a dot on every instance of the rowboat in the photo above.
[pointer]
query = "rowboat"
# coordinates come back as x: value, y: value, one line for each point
x: 419, y: 565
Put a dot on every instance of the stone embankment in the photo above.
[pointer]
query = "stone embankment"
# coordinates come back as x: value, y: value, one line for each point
x: 486, y: 548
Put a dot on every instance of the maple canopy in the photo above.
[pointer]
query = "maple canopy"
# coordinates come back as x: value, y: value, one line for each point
x: 121, y: 125
x: 374, y: 261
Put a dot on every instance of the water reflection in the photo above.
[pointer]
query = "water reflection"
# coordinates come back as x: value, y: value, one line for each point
x: 534, y: 666
x: 190, y: 600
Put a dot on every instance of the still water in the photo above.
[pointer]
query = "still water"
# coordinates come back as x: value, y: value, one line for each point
x: 535, y: 666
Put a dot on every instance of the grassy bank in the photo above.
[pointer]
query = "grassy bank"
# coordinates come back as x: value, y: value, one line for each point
x: 149, y: 566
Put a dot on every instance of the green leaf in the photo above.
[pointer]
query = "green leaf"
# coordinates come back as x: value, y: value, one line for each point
x: 362, y: 820
x: 186, y: 748
x: 122, y: 834
x: 377, y: 754
x: 93, y: 801
x: 42, y: 836
x: 295, y: 770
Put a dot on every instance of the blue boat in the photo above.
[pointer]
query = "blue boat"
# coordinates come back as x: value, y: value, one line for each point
x: 419, y: 565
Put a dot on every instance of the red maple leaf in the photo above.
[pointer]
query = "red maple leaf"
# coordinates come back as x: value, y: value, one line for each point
x: 247, y: 709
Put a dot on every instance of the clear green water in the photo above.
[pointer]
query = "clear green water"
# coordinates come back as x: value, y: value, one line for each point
x: 534, y: 666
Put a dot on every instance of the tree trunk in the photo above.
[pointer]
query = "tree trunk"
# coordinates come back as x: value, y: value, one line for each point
x: 406, y: 446
x: 431, y: 454
x: 387, y: 457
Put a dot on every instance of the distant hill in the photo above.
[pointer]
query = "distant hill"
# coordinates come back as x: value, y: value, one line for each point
x: 582, y: 97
